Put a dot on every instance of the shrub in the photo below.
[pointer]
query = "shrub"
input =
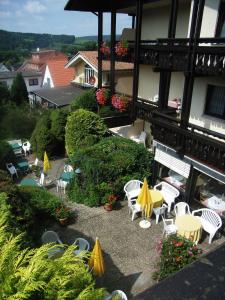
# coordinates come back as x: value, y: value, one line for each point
x: 42, y: 139
x: 6, y: 154
x: 85, y: 101
x: 31, y: 274
x: 175, y: 253
x: 17, y: 121
x: 83, y: 128
x: 19, y: 92
x: 106, y: 167
x: 49, y: 134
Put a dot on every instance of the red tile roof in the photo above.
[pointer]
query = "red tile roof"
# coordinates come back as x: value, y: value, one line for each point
x: 60, y: 75
x: 91, y: 56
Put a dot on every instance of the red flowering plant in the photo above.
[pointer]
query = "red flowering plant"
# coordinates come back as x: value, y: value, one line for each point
x: 120, y: 102
x: 175, y: 253
x: 121, y: 48
x: 102, y: 96
x: 105, y: 49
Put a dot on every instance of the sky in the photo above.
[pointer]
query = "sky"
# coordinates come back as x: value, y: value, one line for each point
x: 48, y: 16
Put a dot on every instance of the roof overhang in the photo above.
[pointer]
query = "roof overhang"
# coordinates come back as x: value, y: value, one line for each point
x: 75, y: 59
x: 98, y: 5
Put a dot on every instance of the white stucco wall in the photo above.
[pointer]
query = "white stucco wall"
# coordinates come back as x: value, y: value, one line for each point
x: 148, y: 85
x: 155, y: 22
x: 26, y: 79
x: 209, y: 19
x: 46, y: 76
x: 124, y: 83
x: 31, y: 88
x: 197, y: 115
x: 176, y: 86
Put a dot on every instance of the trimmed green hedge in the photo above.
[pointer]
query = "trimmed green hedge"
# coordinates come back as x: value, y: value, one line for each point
x: 106, y: 167
x: 86, y: 101
x: 83, y: 129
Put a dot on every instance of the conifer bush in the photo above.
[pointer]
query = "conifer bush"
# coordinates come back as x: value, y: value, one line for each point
x: 106, y: 167
x: 85, y: 101
x: 83, y: 129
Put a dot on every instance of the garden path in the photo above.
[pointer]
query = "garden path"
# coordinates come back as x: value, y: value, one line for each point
x: 129, y: 251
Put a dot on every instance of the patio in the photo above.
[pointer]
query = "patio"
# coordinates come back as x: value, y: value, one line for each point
x: 129, y: 251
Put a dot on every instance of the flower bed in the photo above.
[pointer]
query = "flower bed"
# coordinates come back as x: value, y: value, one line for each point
x: 175, y: 253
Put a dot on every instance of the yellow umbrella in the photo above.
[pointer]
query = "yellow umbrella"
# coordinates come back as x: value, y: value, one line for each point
x: 96, y: 261
x: 47, y: 165
x: 145, y: 200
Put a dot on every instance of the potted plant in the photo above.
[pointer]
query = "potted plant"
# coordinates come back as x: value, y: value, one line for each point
x: 102, y: 96
x: 105, y: 49
x: 121, y: 48
x: 120, y: 102
x: 111, y: 200
x: 62, y: 214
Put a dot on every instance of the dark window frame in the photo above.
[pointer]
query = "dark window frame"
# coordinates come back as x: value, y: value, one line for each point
x: 220, y: 20
x: 33, y: 81
x: 209, y: 99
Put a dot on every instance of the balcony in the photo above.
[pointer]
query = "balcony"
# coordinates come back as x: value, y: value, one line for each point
x: 194, y: 143
x: 173, y: 55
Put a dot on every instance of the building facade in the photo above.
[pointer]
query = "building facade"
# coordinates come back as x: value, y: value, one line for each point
x: 178, y: 56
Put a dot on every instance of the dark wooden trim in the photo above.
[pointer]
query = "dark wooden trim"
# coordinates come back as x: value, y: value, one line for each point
x: 112, y: 52
x: 100, y: 39
x: 139, y: 8
x: 133, y: 22
x: 191, y: 185
x: 173, y: 19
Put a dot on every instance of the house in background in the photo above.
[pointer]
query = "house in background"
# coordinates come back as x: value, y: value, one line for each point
x: 3, y: 68
x: 178, y: 54
x: 51, y: 65
x: 85, y: 64
x: 33, y: 79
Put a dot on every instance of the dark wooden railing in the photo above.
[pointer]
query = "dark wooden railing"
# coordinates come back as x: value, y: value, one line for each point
x: 199, y: 146
x: 172, y: 54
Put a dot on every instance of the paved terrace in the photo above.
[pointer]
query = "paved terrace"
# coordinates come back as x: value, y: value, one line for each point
x: 129, y: 251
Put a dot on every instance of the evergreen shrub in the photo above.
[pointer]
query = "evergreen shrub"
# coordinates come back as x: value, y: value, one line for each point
x: 85, y: 101
x: 106, y: 167
x: 83, y: 129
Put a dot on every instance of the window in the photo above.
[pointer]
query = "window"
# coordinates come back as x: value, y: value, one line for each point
x: 220, y: 28
x: 88, y: 73
x: 215, y: 101
x: 33, y: 81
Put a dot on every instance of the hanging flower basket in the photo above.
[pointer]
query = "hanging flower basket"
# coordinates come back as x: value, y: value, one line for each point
x: 121, y: 48
x: 105, y: 49
x: 120, y: 102
x: 102, y: 96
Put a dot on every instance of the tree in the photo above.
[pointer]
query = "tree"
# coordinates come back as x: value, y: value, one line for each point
x: 58, y: 119
x: 42, y: 139
x: 83, y: 128
x: 86, y: 100
x: 4, y: 93
x: 19, y: 92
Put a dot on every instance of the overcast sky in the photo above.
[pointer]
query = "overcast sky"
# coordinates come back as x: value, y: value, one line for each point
x: 48, y: 16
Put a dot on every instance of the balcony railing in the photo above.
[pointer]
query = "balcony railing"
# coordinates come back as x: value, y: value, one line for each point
x: 196, y: 145
x: 172, y: 54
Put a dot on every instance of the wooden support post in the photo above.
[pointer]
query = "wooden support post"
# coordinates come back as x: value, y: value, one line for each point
x: 112, y: 52
x: 100, y: 40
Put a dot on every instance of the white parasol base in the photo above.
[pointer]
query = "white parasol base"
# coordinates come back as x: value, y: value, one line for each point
x: 145, y: 224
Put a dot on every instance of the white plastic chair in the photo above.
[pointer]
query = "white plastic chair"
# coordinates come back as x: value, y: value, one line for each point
x: 34, y: 163
x: 168, y: 192
x: 26, y: 147
x: 83, y: 245
x: 159, y: 211
x: 140, y: 139
x: 120, y: 293
x: 12, y: 170
x: 132, y: 188
x: 52, y: 237
x: 168, y: 226
x: 181, y: 208
x: 42, y: 179
x: 61, y: 184
x: 210, y: 221
x: 133, y: 207
x: 68, y: 168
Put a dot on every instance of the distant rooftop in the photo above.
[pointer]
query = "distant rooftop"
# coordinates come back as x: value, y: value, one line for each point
x: 60, y: 96
x: 7, y: 75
